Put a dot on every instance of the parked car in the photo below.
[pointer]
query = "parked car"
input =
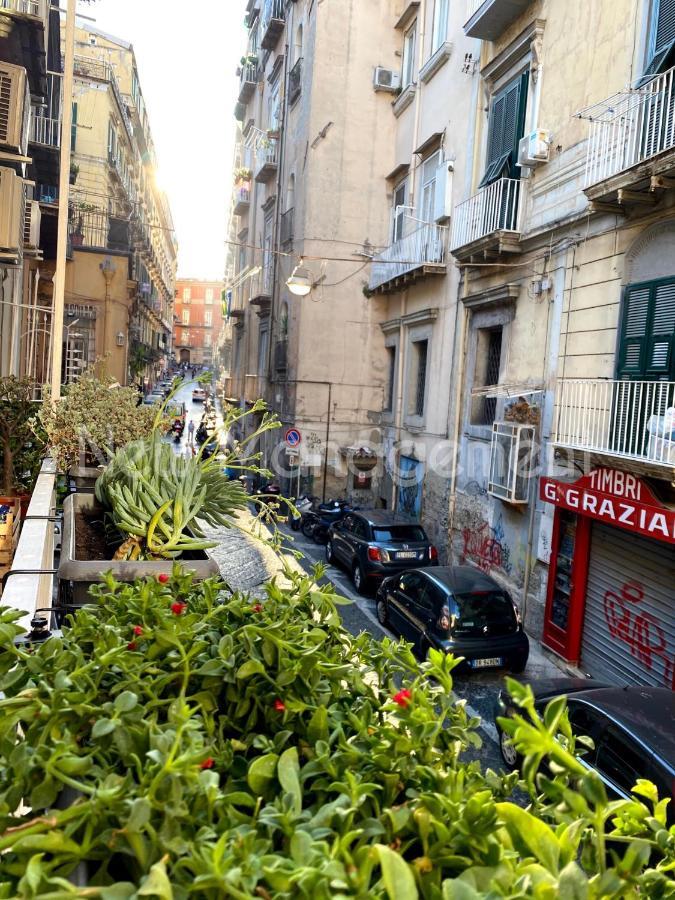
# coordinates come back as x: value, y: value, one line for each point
x: 175, y: 409
x: 375, y: 543
x: 153, y: 397
x: 457, y: 609
x: 198, y: 395
x: 632, y: 728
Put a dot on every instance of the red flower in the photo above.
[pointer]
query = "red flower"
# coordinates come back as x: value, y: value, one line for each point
x: 178, y: 608
x: 258, y: 608
x: 403, y: 698
x: 279, y: 705
x: 162, y: 578
x: 138, y: 630
x: 131, y: 645
x: 208, y: 763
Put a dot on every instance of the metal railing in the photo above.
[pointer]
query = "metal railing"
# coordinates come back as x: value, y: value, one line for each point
x: 97, y: 229
x: 37, y: 8
x: 98, y: 69
x: 45, y: 123
x: 286, y: 226
x: 272, y: 10
x: 249, y: 74
x: 630, y: 127
x: 35, y: 551
x: 494, y: 208
x: 424, y: 246
x: 267, y: 153
x: 629, y: 419
x: 295, y: 81
x: 242, y: 194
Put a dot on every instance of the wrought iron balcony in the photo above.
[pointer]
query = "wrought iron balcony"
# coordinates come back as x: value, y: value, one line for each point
x: 45, y: 122
x: 286, y: 227
x: 242, y: 199
x: 630, y: 420
x: 488, y: 222
x: 267, y: 158
x: 489, y: 19
x: 631, y: 146
x: 248, y: 81
x: 96, y: 230
x: 271, y: 23
x: 33, y: 9
x: 295, y: 81
x: 420, y: 253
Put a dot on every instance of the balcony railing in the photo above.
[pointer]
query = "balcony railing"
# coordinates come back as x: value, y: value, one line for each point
x: 38, y: 9
x: 271, y: 23
x: 267, y: 160
x: 248, y: 81
x: 242, y: 199
x: 96, y: 229
x: 286, y: 228
x: 630, y: 127
x: 99, y: 70
x: 488, y: 19
x: 423, y: 251
x: 495, y: 208
x: 45, y: 122
x: 295, y: 81
x: 629, y: 419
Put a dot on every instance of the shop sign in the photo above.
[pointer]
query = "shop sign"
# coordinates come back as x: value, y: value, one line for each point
x: 616, y: 498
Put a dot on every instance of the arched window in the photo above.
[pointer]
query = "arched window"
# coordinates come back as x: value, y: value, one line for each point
x: 290, y: 192
x: 283, y: 320
x: 297, y: 53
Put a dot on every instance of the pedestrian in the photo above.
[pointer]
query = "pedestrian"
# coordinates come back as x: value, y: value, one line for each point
x: 191, y: 432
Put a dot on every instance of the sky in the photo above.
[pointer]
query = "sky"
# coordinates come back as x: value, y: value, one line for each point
x: 187, y: 54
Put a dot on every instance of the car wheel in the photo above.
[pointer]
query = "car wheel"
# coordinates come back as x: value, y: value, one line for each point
x: 382, y: 612
x: 509, y: 753
x: 308, y: 528
x: 359, y: 578
x: 330, y: 556
x: 518, y: 665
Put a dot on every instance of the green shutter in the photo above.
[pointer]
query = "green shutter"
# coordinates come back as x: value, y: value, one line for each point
x: 506, y: 128
x: 664, y: 24
x: 647, y: 335
x: 73, y: 129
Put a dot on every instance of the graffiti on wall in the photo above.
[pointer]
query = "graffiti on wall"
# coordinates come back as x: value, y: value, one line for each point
x: 486, y: 547
x: 639, y: 630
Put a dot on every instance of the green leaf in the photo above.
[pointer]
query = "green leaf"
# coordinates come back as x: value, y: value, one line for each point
x: 572, y: 884
x: 399, y: 881
x: 317, y: 730
x: 125, y: 701
x: 103, y: 727
x: 261, y: 772
x: 249, y: 668
x: 289, y: 777
x: 32, y: 877
x: 123, y: 890
x: 52, y: 842
x: 157, y: 883
x: 530, y: 836
x: 453, y: 889
x: 141, y: 810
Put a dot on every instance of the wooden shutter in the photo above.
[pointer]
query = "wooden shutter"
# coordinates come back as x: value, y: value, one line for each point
x: 73, y: 129
x: 647, y: 340
x: 633, y: 332
x: 659, y: 359
x: 664, y: 30
x: 507, y: 124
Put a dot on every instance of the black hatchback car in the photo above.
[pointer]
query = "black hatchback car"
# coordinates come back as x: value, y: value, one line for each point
x: 374, y: 543
x: 632, y: 728
x: 457, y: 609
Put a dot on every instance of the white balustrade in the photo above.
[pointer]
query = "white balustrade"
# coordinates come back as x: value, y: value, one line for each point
x: 472, y: 8
x: 629, y: 419
x: 37, y: 8
x: 494, y: 208
x: 424, y: 246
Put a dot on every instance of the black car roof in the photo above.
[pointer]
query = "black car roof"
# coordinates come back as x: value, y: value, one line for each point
x: 463, y: 579
x: 381, y: 517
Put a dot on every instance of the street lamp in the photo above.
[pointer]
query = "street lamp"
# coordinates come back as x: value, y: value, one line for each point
x: 301, y: 282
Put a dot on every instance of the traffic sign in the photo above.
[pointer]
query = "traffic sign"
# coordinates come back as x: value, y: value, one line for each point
x: 292, y: 437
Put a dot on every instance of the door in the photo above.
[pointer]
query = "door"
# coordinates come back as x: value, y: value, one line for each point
x: 405, y: 590
x: 629, y: 626
x: 409, y: 501
x: 398, y: 212
x: 358, y: 538
x: 421, y: 607
x: 340, y: 540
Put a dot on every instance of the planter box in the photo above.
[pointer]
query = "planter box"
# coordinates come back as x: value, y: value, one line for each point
x: 76, y: 576
x: 83, y: 478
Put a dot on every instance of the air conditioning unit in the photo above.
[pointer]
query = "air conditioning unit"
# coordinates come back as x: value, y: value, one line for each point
x: 12, y: 203
x: 14, y: 108
x: 386, y: 79
x: 534, y: 149
x: 512, y: 461
x: 31, y: 225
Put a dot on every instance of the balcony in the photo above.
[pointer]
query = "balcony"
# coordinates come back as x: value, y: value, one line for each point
x: 261, y: 288
x: 31, y: 9
x: 248, y: 81
x: 96, y: 230
x: 45, y: 121
x: 614, y: 420
x: 97, y: 70
x: 414, y: 256
x: 242, y: 199
x: 267, y: 160
x: 286, y: 227
x: 295, y: 81
x: 271, y: 23
x: 488, y: 224
x: 489, y: 19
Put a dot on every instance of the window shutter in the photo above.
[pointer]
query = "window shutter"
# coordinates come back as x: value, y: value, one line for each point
x: 647, y: 344
x: 665, y: 24
x: 507, y: 124
x: 661, y: 333
x: 443, y: 193
x: 73, y: 129
x: 633, y: 333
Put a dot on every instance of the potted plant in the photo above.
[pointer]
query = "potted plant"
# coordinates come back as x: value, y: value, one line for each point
x: 77, y: 235
x: 93, y: 417
x: 22, y: 446
x: 181, y: 739
x: 74, y: 172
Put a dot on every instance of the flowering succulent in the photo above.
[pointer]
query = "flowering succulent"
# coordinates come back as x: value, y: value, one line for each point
x: 162, y: 578
x: 178, y: 608
x: 402, y: 698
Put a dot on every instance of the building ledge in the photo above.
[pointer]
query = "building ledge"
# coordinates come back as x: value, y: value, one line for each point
x: 639, y: 188
x: 497, y: 296
x: 489, y: 248
x: 404, y: 99
x: 638, y: 465
x: 489, y: 19
x: 410, y: 8
x: 435, y: 62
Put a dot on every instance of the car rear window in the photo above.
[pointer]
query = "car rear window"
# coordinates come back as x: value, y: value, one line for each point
x: 492, y: 610
x: 398, y: 533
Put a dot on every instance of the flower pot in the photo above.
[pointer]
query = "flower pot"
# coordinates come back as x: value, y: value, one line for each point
x: 77, y: 574
x: 83, y: 478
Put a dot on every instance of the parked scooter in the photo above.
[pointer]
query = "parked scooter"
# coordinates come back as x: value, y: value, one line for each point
x: 316, y: 524
x: 303, y: 505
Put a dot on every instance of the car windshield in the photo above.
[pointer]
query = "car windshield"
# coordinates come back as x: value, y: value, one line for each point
x: 398, y: 533
x: 491, y: 610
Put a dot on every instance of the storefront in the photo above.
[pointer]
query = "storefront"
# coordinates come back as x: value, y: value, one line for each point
x: 611, y: 591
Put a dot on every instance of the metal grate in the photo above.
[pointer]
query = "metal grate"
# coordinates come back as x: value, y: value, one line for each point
x: 5, y: 104
x: 421, y: 348
x: 391, y: 375
x: 494, y: 360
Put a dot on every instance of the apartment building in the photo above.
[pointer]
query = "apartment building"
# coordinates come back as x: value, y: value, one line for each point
x: 29, y: 57
x: 120, y: 280
x: 565, y: 346
x: 198, y: 320
x: 310, y: 203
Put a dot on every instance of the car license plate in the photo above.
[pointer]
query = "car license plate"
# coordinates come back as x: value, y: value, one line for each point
x: 486, y: 663
x: 406, y: 554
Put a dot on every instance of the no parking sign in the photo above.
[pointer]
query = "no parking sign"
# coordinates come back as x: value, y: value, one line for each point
x: 293, y: 437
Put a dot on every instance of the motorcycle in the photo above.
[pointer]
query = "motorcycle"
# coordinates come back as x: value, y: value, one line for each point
x: 303, y: 505
x: 316, y: 524
x: 177, y: 430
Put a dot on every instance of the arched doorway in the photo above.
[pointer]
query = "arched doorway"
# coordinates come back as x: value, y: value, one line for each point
x: 185, y: 356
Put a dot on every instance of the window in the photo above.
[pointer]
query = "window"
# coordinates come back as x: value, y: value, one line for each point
x: 186, y: 317
x: 208, y: 318
x: 73, y: 129
x: 505, y: 129
x: 440, y: 31
x: 398, y: 211
x: 488, y: 367
x: 187, y: 295
x: 391, y: 379
x: 267, y: 254
x: 408, y: 67
x: 419, y: 376
x: 619, y: 759
x: 360, y: 530
x: 661, y: 43
x: 207, y: 339
x: 429, y: 172
x: 186, y: 337
x: 208, y: 296
x: 298, y: 44
x: 112, y: 140
x: 263, y: 350
x: 399, y: 534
